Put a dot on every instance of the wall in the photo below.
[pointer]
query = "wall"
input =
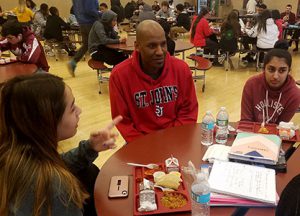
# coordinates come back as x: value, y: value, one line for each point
x: 64, y: 6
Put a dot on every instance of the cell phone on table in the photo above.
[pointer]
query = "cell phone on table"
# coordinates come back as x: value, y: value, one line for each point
x: 118, y: 187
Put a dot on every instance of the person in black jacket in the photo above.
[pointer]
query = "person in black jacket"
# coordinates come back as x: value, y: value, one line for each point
x: 170, y: 42
x: 53, y: 29
x: 183, y: 21
x: 118, y: 9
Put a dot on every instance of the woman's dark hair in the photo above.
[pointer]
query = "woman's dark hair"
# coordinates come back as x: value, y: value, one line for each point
x: 180, y: 7
x: 53, y: 10
x: 32, y: 4
x: 279, y: 53
x: 44, y: 9
x: 202, y: 13
x: 12, y: 27
x: 232, y: 22
x: 262, y: 21
x: 275, y: 14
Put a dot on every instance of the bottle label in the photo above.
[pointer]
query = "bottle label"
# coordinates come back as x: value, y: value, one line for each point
x: 222, y: 122
x: 204, y: 198
x: 208, y: 126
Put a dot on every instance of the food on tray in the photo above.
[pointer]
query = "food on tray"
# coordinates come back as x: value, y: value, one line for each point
x: 149, y: 172
x: 286, y: 130
x: 263, y: 130
x: 147, y: 196
x: 173, y: 200
x: 172, y: 164
x: 171, y: 180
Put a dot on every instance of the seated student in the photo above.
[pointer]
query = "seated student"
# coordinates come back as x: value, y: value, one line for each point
x: 39, y: 20
x: 155, y: 6
x: 152, y: 90
x: 23, y: 44
x: 288, y: 16
x: 170, y: 42
x: 146, y: 13
x: 53, y: 30
x: 271, y: 96
x: 204, y: 36
x: 35, y: 178
x: 103, y: 33
x: 183, y: 21
x: 165, y: 11
x: 266, y: 32
x: 117, y: 7
x: 31, y: 5
x: 23, y: 13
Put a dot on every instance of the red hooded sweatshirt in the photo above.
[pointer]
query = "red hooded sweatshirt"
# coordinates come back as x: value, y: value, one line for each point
x: 147, y: 104
x: 202, y: 32
x: 28, y: 50
x: 277, y: 105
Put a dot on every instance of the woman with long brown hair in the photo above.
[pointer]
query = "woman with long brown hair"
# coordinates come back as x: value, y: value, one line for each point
x: 36, y: 112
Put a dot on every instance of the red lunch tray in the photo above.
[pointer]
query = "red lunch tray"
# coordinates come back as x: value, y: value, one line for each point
x: 139, y: 175
x: 255, y: 126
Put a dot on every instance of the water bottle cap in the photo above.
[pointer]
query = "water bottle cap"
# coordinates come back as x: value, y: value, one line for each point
x: 208, y: 112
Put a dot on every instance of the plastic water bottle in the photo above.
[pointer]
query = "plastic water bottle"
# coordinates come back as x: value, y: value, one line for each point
x: 222, y: 126
x: 207, y: 129
x: 200, y: 196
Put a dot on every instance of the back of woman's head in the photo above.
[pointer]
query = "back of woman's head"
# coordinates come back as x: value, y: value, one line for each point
x: 232, y: 17
x: 262, y: 21
x: 275, y: 14
x: 53, y: 11
x: 202, y: 13
x: 31, y: 108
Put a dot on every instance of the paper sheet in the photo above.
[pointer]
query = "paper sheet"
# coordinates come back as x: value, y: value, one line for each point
x: 242, y: 180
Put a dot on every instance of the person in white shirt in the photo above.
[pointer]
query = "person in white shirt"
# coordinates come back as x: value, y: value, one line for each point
x: 250, y: 7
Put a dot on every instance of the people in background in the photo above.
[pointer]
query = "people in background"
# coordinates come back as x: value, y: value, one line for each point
x: 129, y: 9
x: 54, y: 30
x: 155, y: 6
x: 271, y: 96
x: 23, y: 13
x: 165, y: 11
x: 31, y: 5
x: 39, y: 20
x: 251, y: 6
x: 86, y: 12
x: 170, y: 42
x: 151, y: 90
x: 117, y: 7
x: 288, y: 16
x: 103, y: 7
x: 35, y: 178
x: 266, y: 32
x: 230, y: 32
x: 183, y: 22
x: 204, y: 36
x: 103, y: 33
x: 278, y: 21
x: 146, y: 13
x: 21, y: 41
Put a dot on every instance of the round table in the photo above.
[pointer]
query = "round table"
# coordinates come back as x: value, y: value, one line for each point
x: 184, y: 143
x: 8, y: 71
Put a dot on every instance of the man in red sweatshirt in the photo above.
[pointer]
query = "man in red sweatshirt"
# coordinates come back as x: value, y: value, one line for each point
x: 152, y: 90
x: 271, y: 96
x: 23, y: 44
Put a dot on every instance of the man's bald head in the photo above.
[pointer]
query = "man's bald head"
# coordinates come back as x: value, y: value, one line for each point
x: 147, y: 27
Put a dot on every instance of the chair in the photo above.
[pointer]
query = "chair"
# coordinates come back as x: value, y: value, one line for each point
x: 201, y: 64
x: 259, y: 52
x: 100, y: 68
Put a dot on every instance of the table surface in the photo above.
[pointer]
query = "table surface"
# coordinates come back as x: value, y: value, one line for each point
x: 184, y: 143
x: 180, y: 45
x: 8, y: 71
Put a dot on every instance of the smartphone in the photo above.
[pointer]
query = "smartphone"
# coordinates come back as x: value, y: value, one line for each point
x: 118, y: 186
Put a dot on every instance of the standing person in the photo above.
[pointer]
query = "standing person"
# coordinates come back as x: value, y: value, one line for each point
x: 271, y: 96
x: 21, y: 41
x: 204, y: 36
x: 86, y: 12
x: 34, y: 178
x: 103, y: 33
x: 152, y: 90
x: 251, y: 6
x: 39, y: 20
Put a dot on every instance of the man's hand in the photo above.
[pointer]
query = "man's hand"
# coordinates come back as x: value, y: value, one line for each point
x: 105, y: 138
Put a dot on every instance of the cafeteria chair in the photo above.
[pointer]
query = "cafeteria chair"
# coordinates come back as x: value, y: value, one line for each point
x: 201, y: 64
x: 101, y: 69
